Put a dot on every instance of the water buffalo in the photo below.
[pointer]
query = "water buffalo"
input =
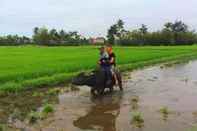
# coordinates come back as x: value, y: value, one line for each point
x: 97, y: 80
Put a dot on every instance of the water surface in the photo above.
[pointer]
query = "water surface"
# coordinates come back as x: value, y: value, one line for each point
x: 173, y: 87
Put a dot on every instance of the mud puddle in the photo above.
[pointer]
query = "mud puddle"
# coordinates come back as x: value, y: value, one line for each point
x: 158, y: 98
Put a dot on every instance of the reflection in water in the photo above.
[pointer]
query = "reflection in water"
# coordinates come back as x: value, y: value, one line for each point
x: 101, y: 116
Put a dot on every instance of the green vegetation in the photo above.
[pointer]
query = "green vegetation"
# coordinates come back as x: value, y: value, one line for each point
x: 173, y: 33
x: 43, y: 36
x: 47, y: 109
x: 53, y: 91
x: 26, y: 67
x: 137, y: 119
x: 34, y: 116
x: 164, y: 110
x: 38, y: 94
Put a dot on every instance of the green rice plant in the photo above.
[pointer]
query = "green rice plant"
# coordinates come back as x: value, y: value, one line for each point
x: 33, y: 117
x: 137, y: 119
x: 38, y: 94
x: 48, y: 108
x: 53, y: 91
x: 164, y: 110
x: 25, y: 67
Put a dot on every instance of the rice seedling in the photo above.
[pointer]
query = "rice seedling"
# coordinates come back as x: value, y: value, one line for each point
x: 38, y: 94
x: 137, y: 119
x: 48, y: 108
x: 165, y: 112
x: 33, y: 117
x: 54, y: 91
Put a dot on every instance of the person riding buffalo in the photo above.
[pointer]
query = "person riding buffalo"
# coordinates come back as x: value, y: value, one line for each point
x: 112, y: 61
x: 103, y: 78
x: 104, y: 63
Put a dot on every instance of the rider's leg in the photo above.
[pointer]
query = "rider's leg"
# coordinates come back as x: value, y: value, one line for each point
x: 114, y: 75
x: 108, y: 75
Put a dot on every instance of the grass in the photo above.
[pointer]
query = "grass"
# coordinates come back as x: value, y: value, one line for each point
x: 26, y: 67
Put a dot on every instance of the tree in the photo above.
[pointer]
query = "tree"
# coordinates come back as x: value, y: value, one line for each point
x: 62, y: 34
x: 173, y: 33
x: 115, y: 31
x: 54, y: 36
x: 176, y: 27
x: 111, y: 34
x: 143, y: 29
x: 36, y: 29
x: 41, y: 36
x: 120, y: 28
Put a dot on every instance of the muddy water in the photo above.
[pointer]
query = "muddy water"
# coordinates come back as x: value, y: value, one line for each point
x: 145, y: 91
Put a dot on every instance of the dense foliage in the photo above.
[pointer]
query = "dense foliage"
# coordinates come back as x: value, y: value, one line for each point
x: 176, y: 33
x: 43, y: 36
x: 14, y: 40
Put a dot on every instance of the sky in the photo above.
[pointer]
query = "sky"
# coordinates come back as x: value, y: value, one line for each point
x: 92, y: 17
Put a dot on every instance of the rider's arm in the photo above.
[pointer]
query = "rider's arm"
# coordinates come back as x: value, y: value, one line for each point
x: 112, y: 60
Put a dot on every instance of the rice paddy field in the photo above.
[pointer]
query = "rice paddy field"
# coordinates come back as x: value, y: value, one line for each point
x: 26, y: 67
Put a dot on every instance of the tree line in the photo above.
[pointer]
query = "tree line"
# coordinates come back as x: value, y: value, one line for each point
x: 15, y: 40
x: 43, y: 36
x: 172, y: 33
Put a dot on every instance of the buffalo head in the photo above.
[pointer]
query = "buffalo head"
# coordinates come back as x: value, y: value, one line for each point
x: 85, y: 79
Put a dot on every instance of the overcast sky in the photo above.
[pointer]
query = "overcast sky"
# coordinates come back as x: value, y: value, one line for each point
x: 92, y: 17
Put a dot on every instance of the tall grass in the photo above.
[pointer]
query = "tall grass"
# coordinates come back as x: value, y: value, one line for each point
x: 34, y: 66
